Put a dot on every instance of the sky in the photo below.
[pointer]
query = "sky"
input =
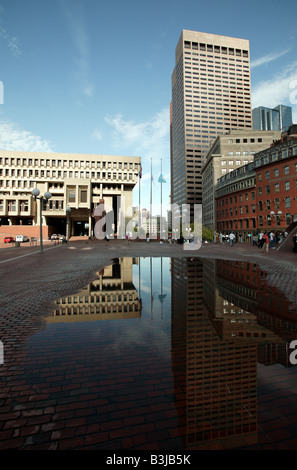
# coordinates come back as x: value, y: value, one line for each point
x: 94, y: 77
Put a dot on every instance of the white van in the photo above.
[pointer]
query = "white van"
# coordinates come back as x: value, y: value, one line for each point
x: 21, y: 238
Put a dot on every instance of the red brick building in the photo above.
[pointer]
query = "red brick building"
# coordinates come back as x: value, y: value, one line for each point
x: 236, y: 202
x: 263, y: 194
x: 276, y: 183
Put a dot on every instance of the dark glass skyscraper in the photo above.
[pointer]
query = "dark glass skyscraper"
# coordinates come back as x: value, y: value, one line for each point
x: 272, y: 119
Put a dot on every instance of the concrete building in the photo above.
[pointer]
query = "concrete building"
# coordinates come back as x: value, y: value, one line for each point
x: 211, y: 94
x: 228, y: 152
x: 78, y: 182
x: 272, y: 119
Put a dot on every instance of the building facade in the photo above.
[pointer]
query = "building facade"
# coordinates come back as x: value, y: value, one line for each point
x: 236, y: 202
x: 263, y: 194
x: 77, y: 182
x: 211, y: 94
x: 227, y: 153
x: 272, y: 119
x: 276, y: 183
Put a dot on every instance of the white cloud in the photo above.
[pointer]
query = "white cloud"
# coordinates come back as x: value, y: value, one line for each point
x: 12, y: 42
x: 276, y: 90
x: 268, y: 58
x: 96, y: 135
x: 149, y: 139
x: 14, y: 138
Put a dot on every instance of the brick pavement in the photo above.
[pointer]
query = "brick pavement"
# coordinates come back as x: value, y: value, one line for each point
x: 42, y: 406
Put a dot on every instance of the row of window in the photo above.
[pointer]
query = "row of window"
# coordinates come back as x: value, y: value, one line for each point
x: 233, y: 211
x: 262, y: 221
x: 215, y: 48
x: 275, y: 156
x: 59, y: 174
x: 23, y: 206
x: 277, y: 187
x: 276, y: 172
x: 237, y: 162
x: 67, y: 163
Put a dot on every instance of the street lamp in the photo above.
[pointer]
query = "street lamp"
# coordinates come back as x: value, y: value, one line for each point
x: 43, y: 199
x: 273, y: 214
x: 68, y: 210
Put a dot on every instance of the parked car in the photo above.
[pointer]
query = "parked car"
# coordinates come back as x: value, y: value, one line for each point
x: 54, y: 236
x: 8, y: 240
x: 21, y: 238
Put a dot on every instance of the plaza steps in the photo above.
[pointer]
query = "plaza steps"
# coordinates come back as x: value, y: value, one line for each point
x: 287, y: 244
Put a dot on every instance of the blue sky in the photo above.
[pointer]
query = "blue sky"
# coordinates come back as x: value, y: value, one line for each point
x: 87, y: 76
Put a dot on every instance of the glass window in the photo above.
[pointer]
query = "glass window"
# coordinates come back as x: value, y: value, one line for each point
x: 287, y: 185
x: 83, y: 196
x: 71, y: 195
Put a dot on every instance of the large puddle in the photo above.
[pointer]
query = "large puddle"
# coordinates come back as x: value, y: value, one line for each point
x: 176, y: 354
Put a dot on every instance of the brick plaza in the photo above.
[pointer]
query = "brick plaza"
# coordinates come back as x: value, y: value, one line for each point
x: 55, y: 404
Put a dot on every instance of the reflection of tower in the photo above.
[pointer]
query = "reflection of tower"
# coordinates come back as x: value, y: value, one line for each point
x: 112, y: 295
x: 217, y: 378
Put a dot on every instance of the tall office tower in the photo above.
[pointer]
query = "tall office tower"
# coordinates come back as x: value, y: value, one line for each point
x: 211, y: 94
x: 272, y: 119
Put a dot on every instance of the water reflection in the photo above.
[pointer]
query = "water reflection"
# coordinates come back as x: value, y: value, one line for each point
x: 225, y: 318
x: 112, y: 295
x: 180, y: 358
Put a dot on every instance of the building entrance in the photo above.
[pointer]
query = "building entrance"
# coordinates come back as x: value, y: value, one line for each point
x: 80, y: 228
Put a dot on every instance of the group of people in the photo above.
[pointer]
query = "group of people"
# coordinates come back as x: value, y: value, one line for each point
x: 266, y: 240
x: 263, y: 240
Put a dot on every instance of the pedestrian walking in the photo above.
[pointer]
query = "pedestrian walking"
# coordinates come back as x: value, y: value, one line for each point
x: 265, y: 242
x: 231, y: 238
x: 261, y: 241
x: 106, y: 239
x: 272, y: 240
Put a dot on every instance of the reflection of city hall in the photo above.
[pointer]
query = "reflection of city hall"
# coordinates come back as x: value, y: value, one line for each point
x: 78, y: 181
x: 223, y: 323
x: 110, y: 296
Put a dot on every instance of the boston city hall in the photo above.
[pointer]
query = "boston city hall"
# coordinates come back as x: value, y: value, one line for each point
x: 82, y: 187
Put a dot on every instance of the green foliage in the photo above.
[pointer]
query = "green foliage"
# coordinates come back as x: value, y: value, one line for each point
x: 207, y: 234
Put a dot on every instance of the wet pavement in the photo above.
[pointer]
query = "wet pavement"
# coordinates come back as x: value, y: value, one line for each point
x: 147, y: 346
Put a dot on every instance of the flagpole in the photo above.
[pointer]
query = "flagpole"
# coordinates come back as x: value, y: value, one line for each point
x: 151, y: 200
x: 161, y: 202
x: 139, y: 178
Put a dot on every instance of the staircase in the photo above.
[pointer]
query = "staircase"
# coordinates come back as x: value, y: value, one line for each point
x: 287, y: 243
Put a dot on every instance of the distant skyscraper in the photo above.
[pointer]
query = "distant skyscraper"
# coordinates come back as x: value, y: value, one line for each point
x: 211, y: 94
x: 272, y: 119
